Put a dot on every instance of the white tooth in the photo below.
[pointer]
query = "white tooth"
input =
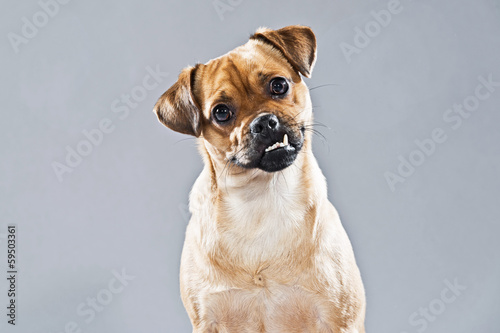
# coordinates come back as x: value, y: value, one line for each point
x: 278, y: 144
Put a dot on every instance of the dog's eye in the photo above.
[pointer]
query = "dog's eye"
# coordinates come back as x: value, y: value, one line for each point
x: 221, y: 113
x: 279, y: 86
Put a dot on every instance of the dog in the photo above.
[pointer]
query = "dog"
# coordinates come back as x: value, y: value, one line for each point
x: 264, y: 250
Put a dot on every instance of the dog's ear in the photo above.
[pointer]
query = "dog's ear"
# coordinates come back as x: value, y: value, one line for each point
x: 177, y: 107
x: 296, y: 42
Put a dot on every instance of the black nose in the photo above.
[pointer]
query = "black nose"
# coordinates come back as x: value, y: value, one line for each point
x: 264, y: 125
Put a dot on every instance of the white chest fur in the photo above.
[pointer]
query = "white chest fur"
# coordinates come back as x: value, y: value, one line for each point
x: 263, y: 217
x: 258, y: 217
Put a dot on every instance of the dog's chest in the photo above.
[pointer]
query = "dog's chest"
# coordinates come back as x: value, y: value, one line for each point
x: 273, y: 309
x: 260, y: 224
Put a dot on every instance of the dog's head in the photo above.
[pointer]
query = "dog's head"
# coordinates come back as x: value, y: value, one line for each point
x: 250, y: 106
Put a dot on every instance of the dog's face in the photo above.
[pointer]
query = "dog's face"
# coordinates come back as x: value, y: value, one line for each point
x: 250, y: 106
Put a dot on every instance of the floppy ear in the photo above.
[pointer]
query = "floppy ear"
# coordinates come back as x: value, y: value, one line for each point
x: 296, y: 42
x: 177, y: 108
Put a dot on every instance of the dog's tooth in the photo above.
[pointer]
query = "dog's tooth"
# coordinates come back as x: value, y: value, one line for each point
x: 278, y: 144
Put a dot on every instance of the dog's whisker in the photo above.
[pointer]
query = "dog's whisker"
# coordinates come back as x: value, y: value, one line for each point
x: 224, y: 168
x: 293, y: 118
x: 318, y: 133
x: 253, y: 174
x: 186, y: 139
x: 324, y: 85
x: 284, y: 178
x: 317, y: 123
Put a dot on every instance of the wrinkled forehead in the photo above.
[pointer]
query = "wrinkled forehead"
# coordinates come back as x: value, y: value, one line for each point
x: 242, y: 72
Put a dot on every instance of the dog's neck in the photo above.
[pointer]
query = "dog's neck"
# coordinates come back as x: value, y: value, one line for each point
x: 231, y: 179
x: 253, y: 210
x: 303, y: 179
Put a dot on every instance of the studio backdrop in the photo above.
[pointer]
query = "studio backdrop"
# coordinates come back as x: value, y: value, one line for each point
x: 94, y: 190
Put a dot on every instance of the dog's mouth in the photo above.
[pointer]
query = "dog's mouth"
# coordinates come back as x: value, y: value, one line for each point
x: 278, y: 145
x: 272, y: 158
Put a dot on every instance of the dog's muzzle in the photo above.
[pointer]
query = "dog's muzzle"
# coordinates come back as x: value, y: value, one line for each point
x: 273, y: 143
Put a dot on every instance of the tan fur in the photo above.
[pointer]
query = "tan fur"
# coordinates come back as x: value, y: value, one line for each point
x: 264, y: 252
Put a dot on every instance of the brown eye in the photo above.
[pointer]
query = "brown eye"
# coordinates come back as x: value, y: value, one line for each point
x: 279, y: 86
x: 221, y: 113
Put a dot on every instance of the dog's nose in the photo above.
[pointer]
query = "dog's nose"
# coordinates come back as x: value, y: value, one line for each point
x: 264, y: 125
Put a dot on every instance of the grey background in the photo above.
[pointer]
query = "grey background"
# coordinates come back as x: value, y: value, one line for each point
x: 124, y: 206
